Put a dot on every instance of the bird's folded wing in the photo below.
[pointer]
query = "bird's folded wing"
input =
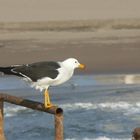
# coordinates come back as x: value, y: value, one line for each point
x: 38, y: 70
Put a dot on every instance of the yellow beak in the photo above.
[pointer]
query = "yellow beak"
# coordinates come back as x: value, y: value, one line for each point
x: 81, y: 66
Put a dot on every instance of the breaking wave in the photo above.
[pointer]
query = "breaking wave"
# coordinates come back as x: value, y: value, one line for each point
x: 13, y: 111
x: 127, y: 108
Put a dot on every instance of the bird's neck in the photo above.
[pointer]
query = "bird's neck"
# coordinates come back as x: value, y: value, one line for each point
x: 69, y: 70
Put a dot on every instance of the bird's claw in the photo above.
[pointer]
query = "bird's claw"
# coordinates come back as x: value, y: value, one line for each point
x: 49, y: 105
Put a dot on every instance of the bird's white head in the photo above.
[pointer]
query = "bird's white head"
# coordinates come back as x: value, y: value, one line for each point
x: 73, y: 63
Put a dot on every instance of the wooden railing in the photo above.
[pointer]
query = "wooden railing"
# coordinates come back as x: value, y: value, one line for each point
x: 57, y: 112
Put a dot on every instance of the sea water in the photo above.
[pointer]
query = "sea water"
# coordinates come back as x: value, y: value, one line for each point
x: 96, y: 107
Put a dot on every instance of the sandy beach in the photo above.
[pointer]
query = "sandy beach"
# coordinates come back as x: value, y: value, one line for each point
x: 102, y: 50
x: 103, y: 35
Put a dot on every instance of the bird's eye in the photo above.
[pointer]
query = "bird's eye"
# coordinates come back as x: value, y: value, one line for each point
x: 75, y: 61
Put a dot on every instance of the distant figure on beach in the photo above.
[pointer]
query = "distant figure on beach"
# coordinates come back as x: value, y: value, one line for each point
x: 129, y: 79
x: 41, y: 75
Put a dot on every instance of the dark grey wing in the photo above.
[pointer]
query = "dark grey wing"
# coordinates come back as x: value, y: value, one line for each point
x: 38, y: 70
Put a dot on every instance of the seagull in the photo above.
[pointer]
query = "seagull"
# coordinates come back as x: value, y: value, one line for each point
x: 42, y: 75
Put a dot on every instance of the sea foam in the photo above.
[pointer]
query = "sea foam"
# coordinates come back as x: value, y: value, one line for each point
x: 14, y: 110
x: 127, y: 108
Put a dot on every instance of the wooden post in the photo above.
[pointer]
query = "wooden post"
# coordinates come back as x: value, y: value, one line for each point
x: 57, y: 112
x: 59, y: 126
x: 29, y: 104
x: 136, y: 134
x: 2, y: 137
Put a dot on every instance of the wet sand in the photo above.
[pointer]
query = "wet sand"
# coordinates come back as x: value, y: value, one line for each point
x: 103, y: 51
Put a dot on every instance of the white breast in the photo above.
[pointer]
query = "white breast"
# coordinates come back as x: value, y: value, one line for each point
x: 64, y: 75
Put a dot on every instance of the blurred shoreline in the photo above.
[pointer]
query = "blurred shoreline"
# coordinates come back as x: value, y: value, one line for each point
x: 105, y: 46
x: 72, y: 25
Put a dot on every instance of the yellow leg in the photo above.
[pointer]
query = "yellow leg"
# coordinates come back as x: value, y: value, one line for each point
x: 47, y: 100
